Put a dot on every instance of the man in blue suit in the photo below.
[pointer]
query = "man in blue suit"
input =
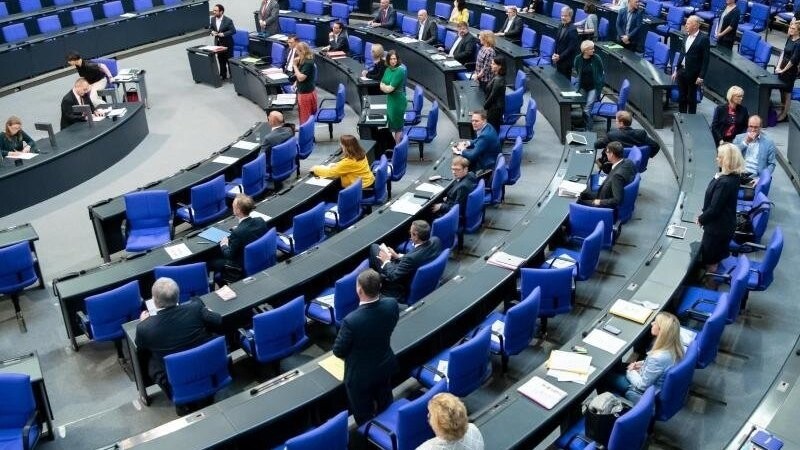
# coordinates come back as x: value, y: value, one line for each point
x: 629, y: 26
x: 483, y: 150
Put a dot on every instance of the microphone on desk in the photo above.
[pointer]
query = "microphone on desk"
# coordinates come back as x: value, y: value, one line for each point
x: 586, y: 332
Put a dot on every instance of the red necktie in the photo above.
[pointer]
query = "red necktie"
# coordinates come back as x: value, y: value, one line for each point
x: 264, y: 8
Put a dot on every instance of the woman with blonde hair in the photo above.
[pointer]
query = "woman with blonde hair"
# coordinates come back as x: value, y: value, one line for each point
x: 379, y: 67
x: 306, y: 82
x: 730, y: 119
x: 447, y: 416
x: 483, y: 62
x: 351, y: 167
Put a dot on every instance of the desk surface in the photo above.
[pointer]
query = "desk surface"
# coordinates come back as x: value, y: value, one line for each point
x: 17, y: 234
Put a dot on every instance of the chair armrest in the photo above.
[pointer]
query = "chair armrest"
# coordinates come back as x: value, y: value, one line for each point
x: 724, y: 276
x: 329, y: 308
x: 383, y: 428
x: 559, y: 258
x: 245, y: 334
x: 433, y: 370
x: 517, y: 115
x: 581, y: 438
x: 26, y: 430
x: 123, y: 228
x: 502, y: 340
x: 189, y: 209
x: 326, y: 100
x: 700, y: 315
x: 291, y: 241
x: 413, y: 127
x: 85, y: 323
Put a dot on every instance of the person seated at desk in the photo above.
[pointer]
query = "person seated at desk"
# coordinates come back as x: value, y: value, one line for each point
x: 730, y: 119
x: 463, y: 48
x: 397, y: 270
x: 667, y: 351
x: 229, y: 267
x: 460, y: 12
x: 96, y: 74
x: 338, y: 39
x: 588, y: 27
x: 353, y: 165
x: 173, y: 329
x: 379, y: 67
x: 14, y: 140
x: 426, y: 28
x: 534, y: 6
x: 385, y: 17
x: 625, y: 135
x: 512, y: 28
x: 483, y: 150
x: 78, y: 95
x: 629, y: 25
x: 464, y: 182
x: 612, y: 191
x: 278, y: 134
x: 448, y: 419
x: 757, y: 148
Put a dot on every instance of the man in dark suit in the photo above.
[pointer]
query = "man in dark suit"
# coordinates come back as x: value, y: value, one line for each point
x: 222, y: 30
x: 385, y: 17
x: 426, y: 28
x: 278, y: 134
x: 512, y: 28
x: 483, y: 150
x: 78, y: 95
x: 397, y: 270
x: 629, y: 26
x: 627, y: 136
x: 268, y: 17
x: 173, y: 329
x: 338, y: 39
x: 463, y: 49
x: 248, y: 230
x: 567, y: 43
x: 692, y: 65
x: 457, y: 193
x: 364, y: 344
x: 612, y: 191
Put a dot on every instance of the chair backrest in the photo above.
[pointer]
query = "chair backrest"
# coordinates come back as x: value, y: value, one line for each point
x: 49, y: 24
x: 427, y: 277
x: 280, y: 332
x: 520, y: 79
x: 556, y: 289
x: 547, y: 46
x: 473, y: 216
x: 113, y: 9
x: 738, y: 289
x: 309, y: 228
x: 305, y: 138
x: 241, y: 40
x: 499, y: 179
x: 761, y: 217
x: 660, y: 55
x: 653, y: 9
x: 348, y: 205
x: 409, y: 25
x: 602, y: 29
x: 283, y: 160
x: 3, y: 9
x: 288, y: 25
x: 30, y: 5
x: 763, y: 54
x: 530, y: 119
x: 296, y: 5
x: 199, y: 372
x: 590, y: 253
x: 708, y: 338
x: 16, y: 268
x: 675, y: 17
x: 513, y: 105
x: 110, y: 63
x: 635, y: 155
x: 18, y: 403
x: 764, y: 183
x: 14, y: 33
x: 583, y: 219
x: 345, y: 299
x: 677, y: 380
x: 442, y: 10
x: 412, y: 419
x: 624, y: 90
x: 631, y: 191
x: 515, y: 162
x: 260, y: 254
x: 767, y: 266
x: 142, y: 5
x: 314, y: 7
x: 527, y: 41
x: 449, y: 39
x: 759, y: 14
x: 418, y: 100
x: 172, y: 2
x: 580, y: 15
x: 107, y: 311
x: 278, y: 54
x: 192, y: 279
x: 208, y: 200
x: 631, y: 429
x: 81, y: 16
x: 712, y: 32
x: 357, y: 48
x: 340, y: 100
x: 340, y: 11
x: 400, y: 159
x: 446, y: 227
x: 433, y: 121
x: 520, y: 323
x: 487, y: 22
x: 147, y: 209
x: 469, y: 364
x: 749, y: 43
x: 253, y: 182
x: 307, y: 33
x: 379, y: 191
x: 556, y: 11
x: 330, y: 435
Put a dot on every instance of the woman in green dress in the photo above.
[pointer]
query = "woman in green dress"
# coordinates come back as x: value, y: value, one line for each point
x: 393, y: 84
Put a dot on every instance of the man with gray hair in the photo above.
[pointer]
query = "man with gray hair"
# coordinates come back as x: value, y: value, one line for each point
x: 567, y: 43
x: 692, y: 65
x: 174, y: 328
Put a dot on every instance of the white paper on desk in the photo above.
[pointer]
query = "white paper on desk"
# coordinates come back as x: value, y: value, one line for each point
x: 22, y: 155
x: 213, y: 48
x: 246, y: 145
x: 377, y: 106
x: 178, y: 251
x: 505, y: 260
x: 631, y: 311
x: 569, y: 361
x: 364, y: 78
x: 283, y: 11
x: 570, y: 94
x: 123, y: 72
x: 98, y: 118
x: 542, y: 392
x: 277, y: 76
x: 271, y: 70
x: 227, y: 160
x: 407, y: 204
x: 314, y: 181
x: 441, y: 367
x: 438, y: 57
x: 326, y: 299
x: 570, y: 188
x: 117, y: 112
x: 428, y: 187
x: 452, y: 63
x: 261, y: 216
x: 604, y: 341
x: 562, y: 375
x: 285, y: 99
x: 499, y: 327
x: 406, y: 40
x: 128, y: 15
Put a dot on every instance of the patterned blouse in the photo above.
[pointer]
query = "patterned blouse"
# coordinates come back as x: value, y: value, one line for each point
x: 483, y: 63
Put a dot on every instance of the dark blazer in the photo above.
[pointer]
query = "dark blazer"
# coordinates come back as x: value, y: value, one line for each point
x: 227, y: 29
x: 729, y: 20
x: 637, y: 29
x: 173, y: 330
x: 270, y: 16
x: 68, y: 117
x: 16, y: 143
x: 628, y: 137
x: 495, y: 103
x: 567, y: 44
x: 483, y: 151
x: 277, y: 136
x: 341, y: 44
x: 246, y: 232
x: 465, y: 50
x: 719, y: 205
x: 397, y: 274
x: 429, y: 34
x: 612, y: 191
x: 377, y: 70
x: 696, y: 58
x: 515, y: 32
x: 391, y: 18
x: 722, y: 120
x: 364, y: 342
x: 457, y: 193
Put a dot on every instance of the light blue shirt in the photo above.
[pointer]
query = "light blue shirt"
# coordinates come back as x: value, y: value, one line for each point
x: 652, y: 371
x: 758, y: 155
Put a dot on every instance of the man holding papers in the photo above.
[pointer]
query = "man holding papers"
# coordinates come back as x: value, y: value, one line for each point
x: 248, y: 230
x: 397, y: 270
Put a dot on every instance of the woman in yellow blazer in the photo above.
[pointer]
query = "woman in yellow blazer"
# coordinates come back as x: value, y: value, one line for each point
x: 352, y: 166
x: 460, y: 12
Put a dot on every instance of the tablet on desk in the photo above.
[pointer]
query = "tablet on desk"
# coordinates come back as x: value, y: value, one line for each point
x: 676, y: 231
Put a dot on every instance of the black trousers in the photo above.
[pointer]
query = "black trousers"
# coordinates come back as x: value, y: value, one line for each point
x: 222, y: 58
x: 687, y: 92
x: 368, y: 400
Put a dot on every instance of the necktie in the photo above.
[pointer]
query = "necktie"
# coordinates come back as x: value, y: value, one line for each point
x: 383, y: 19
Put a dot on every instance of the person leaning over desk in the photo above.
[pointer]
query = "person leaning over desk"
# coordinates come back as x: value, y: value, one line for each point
x: 15, y: 140
x: 353, y: 165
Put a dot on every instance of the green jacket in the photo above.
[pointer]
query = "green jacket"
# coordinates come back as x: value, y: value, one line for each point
x: 598, y: 73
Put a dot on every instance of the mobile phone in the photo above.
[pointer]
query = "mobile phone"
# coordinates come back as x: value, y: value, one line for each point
x: 611, y: 329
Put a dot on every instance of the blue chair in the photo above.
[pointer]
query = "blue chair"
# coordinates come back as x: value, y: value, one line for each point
x: 397, y: 166
x: 413, y: 116
x: 660, y: 55
x: 142, y: 5
x: 677, y: 381
x: 556, y: 291
x: 467, y: 368
x: 306, y: 32
x: 427, y: 277
x: 515, y: 163
x: 16, y: 273
x: 333, y: 434
x: 652, y: 9
x: 48, y: 24
x: 759, y: 214
x: 442, y: 10
x: 14, y: 33
x: 276, y: 333
x: 699, y: 303
x: 675, y: 16
x: 635, y: 155
x: 30, y: 5
x: 749, y: 43
x: 113, y: 9
x: 305, y: 141
x: 761, y: 272
x: 497, y: 192
x: 260, y: 254
x: 107, y: 311
x: 347, y: 210
x: 345, y: 299
x: 487, y: 22
x: 192, y: 279
x: 787, y: 16
x: 252, y: 182
x: 404, y: 424
x: 583, y: 219
x: 416, y: 5
x: 19, y: 422
x: 380, y: 188
x: 528, y: 42
x: 517, y: 327
x: 241, y: 43
x: 763, y: 54
x: 713, y: 12
x: 341, y: 12
x: 650, y: 41
x: 288, y: 25
x: 424, y: 135
x: 408, y: 25
x: 82, y: 16
x: 315, y: 7
x: 449, y: 39
x: 282, y: 161
x: 332, y: 115
x: 198, y: 373
x: 207, y: 203
x: 446, y: 227
x: 602, y: 29
x: 307, y: 230
x: 586, y: 259
x: 513, y: 106
x: 296, y: 5
x: 625, y: 210
x: 3, y: 9
x: 474, y: 213
x: 277, y: 56
x: 512, y: 131
x: 357, y: 49
x: 707, y: 340
x: 148, y: 220
x: 555, y: 12
x: 762, y: 186
x: 520, y: 79
x: 172, y: 2
x: 758, y: 19
x: 547, y: 46
x: 629, y: 432
x: 609, y: 110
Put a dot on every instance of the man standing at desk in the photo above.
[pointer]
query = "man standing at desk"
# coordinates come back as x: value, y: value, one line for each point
x: 385, y: 17
x: 463, y: 49
x: 78, y: 95
x: 483, y: 150
x: 426, y: 28
x: 364, y: 344
x: 512, y: 28
x: 268, y: 17
x: 629, y: 26
x: 692, y: 65
x: 223, y: 30
x: 566, y: 44
x: 288, y: 66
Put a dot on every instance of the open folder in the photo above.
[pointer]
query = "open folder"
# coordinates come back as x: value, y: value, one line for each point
x: 631, y: 311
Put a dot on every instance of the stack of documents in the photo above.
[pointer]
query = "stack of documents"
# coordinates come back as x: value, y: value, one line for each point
x: 214, y: 48
x: 250, y: 60
x: 438, y: 57
x: 452, y: 63
x: 568, y: 366
x: 280, y: 37
x: 570, y: 188
x: 227, y: 160
x: 333, y: 366
x: 337, y: 55
x: 406, y: 40
x: 505, y: 260
x: 21, y: 155
x: 117, y: 112
x: 542, y: 392
x: 407, y: 204
x: 246, y: 145
x: 226, y: 293
x: 570, y: 94
x: 604, y: 341
x: 178, y: 251
x: 285, y: 99
x: 631, y: 311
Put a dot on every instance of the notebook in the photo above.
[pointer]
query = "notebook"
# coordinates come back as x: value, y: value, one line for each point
x: 542, y: 392
x: 631, y: 311
x: 214, y: 234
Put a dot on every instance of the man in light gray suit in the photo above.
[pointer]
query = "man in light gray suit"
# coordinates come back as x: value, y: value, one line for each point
x: 268, y: 17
